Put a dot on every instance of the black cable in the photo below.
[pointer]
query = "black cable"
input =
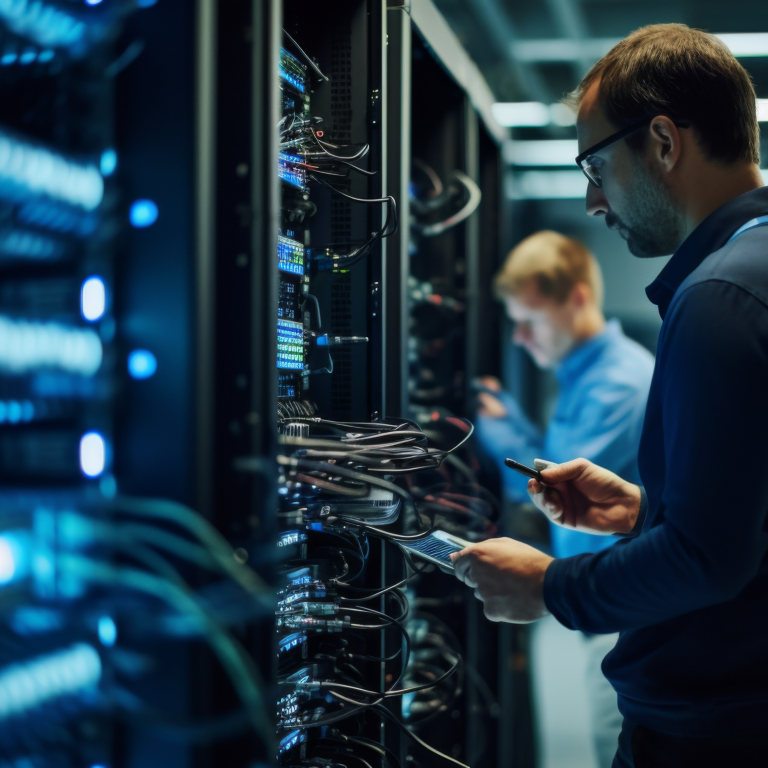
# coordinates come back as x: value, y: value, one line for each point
x: 347, y: 755
x: 461, y: 442
x: 379, y: 748
x: 333, y: 469
x: 388, y: 199
x: 400, y: 598
x: 384, y: 711
x: 309, y: 61
x: 386, y: 231
x: 376, y: 594
x: 391, y: 693
x: 355, y: 168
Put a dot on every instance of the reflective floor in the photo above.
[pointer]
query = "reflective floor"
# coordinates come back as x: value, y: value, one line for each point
x: 561, y: 708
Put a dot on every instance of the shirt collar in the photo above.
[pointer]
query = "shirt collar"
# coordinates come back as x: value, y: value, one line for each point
x: 583, y: 355
x: 709, y: 236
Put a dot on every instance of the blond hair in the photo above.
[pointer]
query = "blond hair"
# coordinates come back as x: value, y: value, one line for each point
x: 555, y: 262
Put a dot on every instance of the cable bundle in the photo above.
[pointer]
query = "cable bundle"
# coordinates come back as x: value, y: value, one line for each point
x: 326, y: 683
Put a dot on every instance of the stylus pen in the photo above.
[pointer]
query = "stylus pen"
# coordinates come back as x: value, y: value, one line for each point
x: 523, y: 470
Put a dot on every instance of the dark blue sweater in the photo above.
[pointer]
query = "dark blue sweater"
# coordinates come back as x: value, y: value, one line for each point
x: 689, y: 594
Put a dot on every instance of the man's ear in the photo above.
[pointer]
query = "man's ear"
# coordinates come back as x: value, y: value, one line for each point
x: 665, y: 142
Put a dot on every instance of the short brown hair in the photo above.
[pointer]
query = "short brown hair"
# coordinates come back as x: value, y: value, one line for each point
x: 555, y: 262
x: 687, y: 75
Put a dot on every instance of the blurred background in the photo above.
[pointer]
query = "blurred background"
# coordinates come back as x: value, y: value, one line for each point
x: 532, y: 55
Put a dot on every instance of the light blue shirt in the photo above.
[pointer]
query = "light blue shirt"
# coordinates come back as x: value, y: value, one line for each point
x: 604, y: 385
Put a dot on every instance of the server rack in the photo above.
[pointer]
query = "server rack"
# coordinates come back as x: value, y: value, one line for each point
x: 142, y: 550
x: 117, y: 478
x: 441, y: 124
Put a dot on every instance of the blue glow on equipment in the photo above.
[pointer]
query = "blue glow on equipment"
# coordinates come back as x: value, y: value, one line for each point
x: 7, y: 560
x: 30, y: 684
x: 290, y: 255
x: 26, y: 346
x: 46, y: 56
x: 290, y: 345
x: 108, y: 162
x: 28, y: 56
x: 42, y: 23
x: 93, y: 298
x: 14, y: 556
x: 142, y: 364
x: 20, y: 243
x: 143, y: 213
x: 8, y: 58
x: 107, y: 631
x: 146, y: 3
x: 93, y: 454
x: 93, y: 2
x: 14, y: 412
x: 28, y: 171
x: 288, y: 171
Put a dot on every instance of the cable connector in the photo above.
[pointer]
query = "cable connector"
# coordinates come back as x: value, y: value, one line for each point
x: 312, y: 609
x: 327, y: 340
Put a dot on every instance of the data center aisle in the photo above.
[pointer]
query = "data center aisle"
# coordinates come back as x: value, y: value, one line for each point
x: 558, y: 661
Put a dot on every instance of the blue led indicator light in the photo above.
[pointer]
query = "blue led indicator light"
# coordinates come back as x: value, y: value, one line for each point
x: 28, y: 56
x: 108, y: 162
x: 141, y: 364
x: 8, y: 555
x: 14, y: 412
x: 93, y: 298
x: 143, y: 213
x: 93, y: 2
x: 45, y: 56
x: 107, y: 631
x: 7, y: 59
x: 93, y: 454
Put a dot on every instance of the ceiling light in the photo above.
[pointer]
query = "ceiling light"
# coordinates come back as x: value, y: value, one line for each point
x: 532, y: 114
x: 546, y: 185
x: 544, y: 152
x: 522, y: 113
x: 746, y: 44
x: 741, y: 44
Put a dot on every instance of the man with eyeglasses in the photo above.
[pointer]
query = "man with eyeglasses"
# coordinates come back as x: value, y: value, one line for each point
x: 670, y: 145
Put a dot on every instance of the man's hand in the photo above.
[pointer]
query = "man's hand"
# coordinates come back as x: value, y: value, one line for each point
x: 507, y: 576
x: 490, y: 406
x: 585, y: 497
x: 490, y: 382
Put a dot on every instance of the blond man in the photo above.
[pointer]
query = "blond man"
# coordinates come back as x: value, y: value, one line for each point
x: 552, y: 289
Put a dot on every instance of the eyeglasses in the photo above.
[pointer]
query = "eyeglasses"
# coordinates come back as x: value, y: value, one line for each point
x: 593, y: 172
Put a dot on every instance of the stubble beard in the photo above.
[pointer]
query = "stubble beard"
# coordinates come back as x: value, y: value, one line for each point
x: 652, y: 225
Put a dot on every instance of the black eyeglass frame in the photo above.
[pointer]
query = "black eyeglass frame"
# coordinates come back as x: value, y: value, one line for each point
x: 613, y: 138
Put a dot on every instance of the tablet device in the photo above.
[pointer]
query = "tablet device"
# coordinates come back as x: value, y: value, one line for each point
x: 436, y: 548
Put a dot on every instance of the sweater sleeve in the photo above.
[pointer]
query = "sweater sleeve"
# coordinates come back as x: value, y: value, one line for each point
x: 512, y: 436
x: 708, y: 538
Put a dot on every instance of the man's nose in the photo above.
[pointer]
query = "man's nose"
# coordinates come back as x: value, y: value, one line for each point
x: 597, y: 204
